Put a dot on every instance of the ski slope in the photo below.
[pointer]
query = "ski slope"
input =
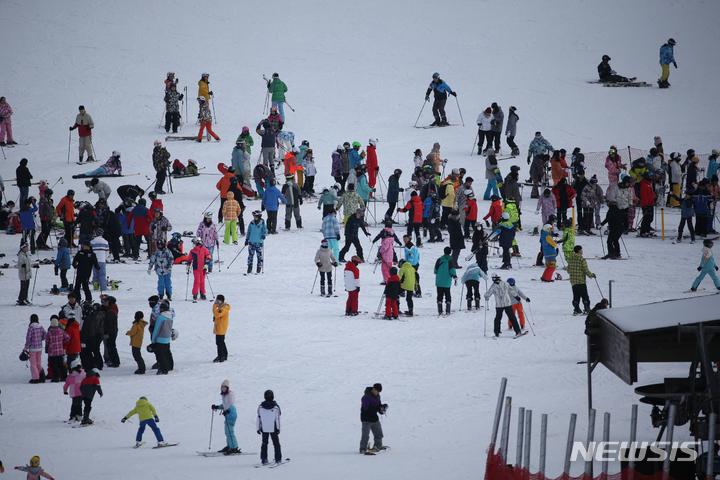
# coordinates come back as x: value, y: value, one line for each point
x: 354, y: 70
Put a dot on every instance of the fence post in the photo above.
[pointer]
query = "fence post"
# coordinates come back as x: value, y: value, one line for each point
x: 519, y: 447
x: 590, y: 441
x: 543, y: 444
x: 569, y: 446
x: 528, y: 431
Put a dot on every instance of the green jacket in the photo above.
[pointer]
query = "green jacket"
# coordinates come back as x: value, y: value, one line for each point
x: 278, y: 89
x: 512, y: 210
x: 248, y: 141
x: 577, y: 269
x: 407, y: 276
x: 144, y: 410
x: 568, y: 241
x: 444, y: 271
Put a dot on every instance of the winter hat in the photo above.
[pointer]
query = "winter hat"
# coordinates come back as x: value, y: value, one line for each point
x: 24, y: 245
x: 577, y: 248
x: 81, y: 107
x: 225, y: 383
x: 506, y: 216
x: 538, y: 134
x: 414, y: 194
x: 594, y: 179
x: 393, y: 270
x: 418, y: 152
x: 62, y: 243
x: 456, y: 171
x: 220, y: 297
x: 511, y: 281
x: 359, y: 210
x: 447, y: 250
x: 378, y: 387
x: 547, y: 192
x: 488, y: 111
x: 494, y: 105
x: 54, y: 322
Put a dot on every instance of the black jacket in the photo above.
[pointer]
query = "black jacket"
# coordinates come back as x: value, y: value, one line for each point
x: 84, y: 261
x: 23, y: 176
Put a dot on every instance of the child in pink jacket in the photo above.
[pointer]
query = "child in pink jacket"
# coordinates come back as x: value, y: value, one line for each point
x: 72, y: 388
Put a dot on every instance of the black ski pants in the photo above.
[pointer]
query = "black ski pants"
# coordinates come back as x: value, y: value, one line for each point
x: 276, y: 446
x: 160, y: 180
x: 580, y: 293
x: 358, y: 248
x: 439, y: 108
x: 511, y: 316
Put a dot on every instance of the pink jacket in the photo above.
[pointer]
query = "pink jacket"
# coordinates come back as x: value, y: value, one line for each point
x: 72, y: 384
x: 613, y: 168
x: 5, y: 112
x: 34, y: 337
x: 55, y: 338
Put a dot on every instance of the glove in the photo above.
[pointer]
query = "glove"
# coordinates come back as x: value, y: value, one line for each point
x: 164, y: 229
x: 318, y: 264
x: 358, y: 289
x: 427, y: 99
x: 456, y: 281
x: 699, y: 268
x: 211, y: 94
x: 675, y: 64
x: 537, y: 212
x: 72, y: 128
x: 716, y: 268
x: 454, y: 94
x: 205, y: 268
x: 37, y: 265
x: 487, y: 223
x: 246, y: 242
x: 259, y: 432
x: 88, y: 126
x: 214, y: 407
x: 373, y: 190
x: 156, y: 419
x: 169, y: 270
x: 56, y: 271
x: 262, y: 208
x: 149, y: 271
x: 335, y: 264
x: 123, y: 420
x: 181, y: 96
x: 187, y: 269
x: 527, y: 300
x: 66, y: 393
x: 528, y: 160
x: 263, y: 237
x: 399, y: 210
x: 338, y: 236
x: 377, y: 169
x: 401, y: 189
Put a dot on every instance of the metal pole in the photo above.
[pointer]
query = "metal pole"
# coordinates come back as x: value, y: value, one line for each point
x: 709, y: 468
x: 505, y: 434
x: 520, y: 432
x: 626, y: 250
x: 474, y: 143
x: 317, y: 272
x: 209, y: 285
x: 377, y: 311
x: 187, y: 281
x: 668, y: 440
x: 421, y: 110
x: 568, y: 447
x: 498, y: 411
x: 69, y: 142
x: 601, y: 242
x: 212, y: 417
x: 526, y: 452
x: 631, y: 447
x: 206, y: 208
x: 598, y: 285
x: 605, y: 439
x: 486, y: 309
x: 461, y: 296
x: 590, y: 441
x: 543, y: 444
x: 236, y: 256
x: 662, y: 222
x: 461, y: 117
x: 610, y: 282
x: 212, y: 100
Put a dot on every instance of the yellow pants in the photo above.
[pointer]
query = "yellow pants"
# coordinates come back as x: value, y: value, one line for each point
x: 665, y: 72
x: 299, y: 177
x: 231, y: 231
x: 675, y: 191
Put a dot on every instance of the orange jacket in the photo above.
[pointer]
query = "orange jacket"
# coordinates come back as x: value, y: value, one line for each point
x: 231, y: 208
x: 66, y: 209
x: 224, y: 184
x: 290, y: 163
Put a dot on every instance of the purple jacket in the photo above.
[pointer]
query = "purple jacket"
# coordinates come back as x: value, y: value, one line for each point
x: 336, y: 165
x: 370, y: 406
x: 5, y: 111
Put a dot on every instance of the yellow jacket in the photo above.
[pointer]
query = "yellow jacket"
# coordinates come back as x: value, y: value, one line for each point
x: 136, y: 334
x: 204, y: 90
x: 449, y: 199
x: 221, y: 314
x: 144, y: 410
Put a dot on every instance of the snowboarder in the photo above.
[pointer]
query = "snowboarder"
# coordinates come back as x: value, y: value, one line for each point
x: 352, y: 285
x: 84, y: 123
x: 161, y: 162
x: 205, y: 118
x: 162, y: 261
x: 255, y: 239
x: 577, y: 269
x: 227, y: 410
x: 34, y: 470
x: 666, y: 58
x: 325, y: 260
x: 200, y: 260
x: 221, y: 318
x: 392, y: 295
x: 89, y: 385
x: 471, y: 280
x: 136, y: 334
x: 268, y: 425
x: 607, y: 74
x: 148, y: 418
x: 6, y: 112
x: 370, y: 407
x: 444, y: 274
x: 503, y: 303
x: 707, y: 266
x: 440, y: 89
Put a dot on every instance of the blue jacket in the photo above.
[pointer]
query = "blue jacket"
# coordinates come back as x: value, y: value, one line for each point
x: 162, y: 333
x: 330, y: 227
x: 256, y: 231
x: 548, y: 249
x: 271, y: 197
x: 473, y: 272
x: 507, y: 233
x: 412, y: 256
x: 267, y: 137
x: 666, y: 55
x: 393, y: 189
x: 712, y: 168
x: 162, y: 259
x: 63, y: 258
x: 701, y: 203
x: 441, y: 89
x: 237, y: 160
x: 688, y: 208
x: 26, y: 218
x: 363, y: 189
x: 123, y: 223
x: 355, y: 158
x: 300, y: 157
x: 708, y: 260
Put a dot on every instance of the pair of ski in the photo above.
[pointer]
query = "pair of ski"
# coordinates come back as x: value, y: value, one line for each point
x: 437, y: 126
x: 272, y: 464
x: 622, y: 84
x: 521, y: 334
x: 156, y: 447
x: 222, y: 454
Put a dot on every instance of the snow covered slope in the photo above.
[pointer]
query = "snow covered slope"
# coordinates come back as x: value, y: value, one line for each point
x: 354, y: 70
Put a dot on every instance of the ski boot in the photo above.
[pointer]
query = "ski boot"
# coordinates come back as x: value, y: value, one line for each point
x: 439, y: 306
x: 469, y: 304
x: 169, y: 297
x: 477, y: 304
x: 322, y: 290
x: 515, y: 152
x: 249, y: 270
x: 203, y: 296
x: 258, y: 270
x: 447, y: 308
x: 194, y: 298
x: 329, y: 294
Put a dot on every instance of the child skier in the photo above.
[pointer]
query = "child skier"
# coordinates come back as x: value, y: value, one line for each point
x: 148, y: 417
x: 547, y: 205
x: 386, y: 252
x: 268, y: 425
x: 471, y: 280
x: 199, y: 260
x: 432, y: 214
x: 707, y: 266
x: 34, y: 470
x: 325, y: 260
x: 208, y: 236
x: 568, y: 240
x: 34, y: 339
x: 255, y: 238
x: 72, y: 388
x: 503, y: 303
x: 162, y: 260
x: 549, y: 248
x: 24, y: 266
x: 392, y: 295
x: 370, y: 407
x: 88, y: 386
x: 408, y: 283
x: 136, y: 333
x: 55, y: 339
x: 444, y: 274
x: 331, y: 231
x: 686, y: 215
x: 352, y: 285
x: 227, y: 410
x: 516, y: 296
x: 310, y: 172
x: 221, y: 317
x: 63, y: 263
x: 230, y: 211
x: 412, y: 255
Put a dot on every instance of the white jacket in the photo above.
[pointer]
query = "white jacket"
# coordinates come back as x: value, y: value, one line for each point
x: 501, y: 290
x: 351, y: 283
x: 484, y: 122
x: 100, y: 246
x: 268, y: 420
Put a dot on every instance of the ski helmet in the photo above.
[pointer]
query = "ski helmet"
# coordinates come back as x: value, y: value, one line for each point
x: 192, y: 162
x: 506, y: 216
x: 295, y: 150
x: 269, y: 395
x: 116, y: 153
x: 76, y: 362
x: 176, y: 235
x: 340, y: 148
x: 308, y: 153
x: 157, y: 143
x: 412, y: 184
x: 551, y: 219
x: 306, y: 143
x: 245, y: 129
x: 257, y: 213
x: 196, y: 241
x: 436, y: 75
x: 35, y: 461
x: 511, y: 281
x: 71, y: 193
x: 205, y: 75
x: 160, y: 244
x: 708, y: 243
x: 48, y: 192
x: 373, y: 142
x: 231, y: 169
x: 201, y: 99
x: 208, y: 215
x: 346, y: 145
x: 605, y: 58
x: 170, y: 73
x: 337, y: 186
x: 397, y: 172
x: 496, y: 278
x: 671, y: 42
x: 273, y: 109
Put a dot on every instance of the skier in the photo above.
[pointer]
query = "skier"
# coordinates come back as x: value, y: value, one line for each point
x: 162, y: 261
x: 172, y: 109
x: 444, y: 274
x: 496, y: 124
x: 547, y: 204
x: 325, y: 260
x: 386, y: 251
x: 268, y: 425
x: 517, y: 296
x: 564, y: 195
x: 590, y: 204
x: 607, y: 74
x: 224, y: 185
x: 707, y: 266
x: 204, y: 87
x: 200, y: 260
x: 352, y: 285
x: 231, y: 211
x: 353, y: 224
x: 506, y: 232
x: 221, y: 318
x: 511, y: 131
x: 6, y: 112
x: 331, y: 231
x: 370, y: 407
x: 415, y: 209
x: 558, y: 166
x: 62, y: 264
x: 392, y: 192
x: 647, y: 202
x: 270, y: 203
x: 447, y: 190
x: 613, y: 163
x: 84, y: 123
x: 72, y: 388
x: 24, y: 180
x: 392, y: 295
x: 148, y: 417
x: 205, y: 118
x: 84, y: 262
x: 577, y: 269
x: 455, y: 235
x: 480, y: 247
x: 100, y: 247
x: 268, y: 137
x: 136, y: 334
x: 408, y: 283
x: 549, y: 248
x: 503, y: 303
x: 277, y: 89
x: 241, y: 162
x: 162, y: 333
x: 27, y: 222
x: 615, y: 229
x: 293, y: 195
x: 262, y: 176
x: 666, y: 58
x: 431, y: 213
x: 161, y: 162
x: 255, y: 238
x: 440, y: 89
x: 412, y: 256
x: 89, y: 385
x: 471, y: 280
x: 247, y: 138
x: 227, y: 410
x: 175, y: 245
x: 567, y: 240
x: 327, y: 201
x: 538, y: 150
x: 34, y: 470
x: 372, y: 163
x: 309, y: 170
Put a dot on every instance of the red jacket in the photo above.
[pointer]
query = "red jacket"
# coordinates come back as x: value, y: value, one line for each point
x: 157, y: 203
x: 415, y: 207
x: 142, y: 224
x: 570, y: 195
x: 371, y: 159
x: 647, y: 196
x: 495, y: 212
x: 471, y: 209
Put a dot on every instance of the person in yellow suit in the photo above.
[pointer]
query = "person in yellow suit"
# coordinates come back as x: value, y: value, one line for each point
x: 204, y: 87
x: 221, y: 316
x: 148, y: 417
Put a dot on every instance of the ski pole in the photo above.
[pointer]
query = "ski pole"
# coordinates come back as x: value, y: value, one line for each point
x: 161, y: 117
x: 461, y: 117
x: 626, y: 250
x: 69, y: 142
x: 212, y: 417
x: 531, y: 324
x: 377, y: 311
x: 217, y: 244
x: 474, y: 143
x: 236, y: 256
x: 210, y: 285
x: 461, y: 297
x: 35, y: 280
x: 58, y: 180
x: 206, y: 208
x: 486, y: 310
x: 3, y: 152
x: 187, y: 281
x: 286, y: 103
x: 532, y: 317
x: 421, y: 110
x: 92, y: 147
x: 598, y: 285
x: 601, y: 242
x: 263, y: 254
x: 317, y: 272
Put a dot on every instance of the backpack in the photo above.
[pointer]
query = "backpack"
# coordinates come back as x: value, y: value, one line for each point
x: 443, y: 191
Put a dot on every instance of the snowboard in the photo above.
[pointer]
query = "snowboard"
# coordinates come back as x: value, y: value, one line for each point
x: 139, y: 445
x: 163, y: 446
x: 376, y: 452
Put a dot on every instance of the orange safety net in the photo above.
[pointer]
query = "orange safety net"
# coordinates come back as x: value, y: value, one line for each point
x: 496, y: 469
